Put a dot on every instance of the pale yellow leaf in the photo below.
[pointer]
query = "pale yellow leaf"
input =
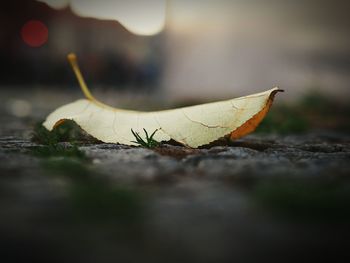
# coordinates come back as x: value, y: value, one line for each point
x: 191, y: 126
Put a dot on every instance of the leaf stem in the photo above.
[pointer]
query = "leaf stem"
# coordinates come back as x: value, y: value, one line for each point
x: 72, y: 58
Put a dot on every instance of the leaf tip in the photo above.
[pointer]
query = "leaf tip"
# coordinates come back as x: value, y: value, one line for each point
x: 277, y: 89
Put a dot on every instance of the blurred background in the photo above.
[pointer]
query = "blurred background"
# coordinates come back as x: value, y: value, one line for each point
x: 180, y: 49
x: 158, y: 54
x: 281, y: 193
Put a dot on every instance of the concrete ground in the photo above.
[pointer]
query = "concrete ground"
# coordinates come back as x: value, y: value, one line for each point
x: 264, y: 197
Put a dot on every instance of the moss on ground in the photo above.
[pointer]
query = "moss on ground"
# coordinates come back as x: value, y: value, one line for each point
x: 313, y: 111
x: 68, y: 131
x: 62, y: 141
x: 320, y: 200
x: 91, y: 197
x: 284, y: 120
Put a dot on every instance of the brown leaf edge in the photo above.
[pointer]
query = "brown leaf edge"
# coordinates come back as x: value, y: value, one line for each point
x: 251, y: 124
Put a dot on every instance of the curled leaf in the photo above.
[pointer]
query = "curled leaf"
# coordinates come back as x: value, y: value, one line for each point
x: 191, y: 126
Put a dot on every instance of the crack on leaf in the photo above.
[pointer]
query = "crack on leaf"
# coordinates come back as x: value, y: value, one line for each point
x: 86, y: 107
x: 234, y: 106
x: 160, y: 128
x: 99, y: 111
x: 200, y: 123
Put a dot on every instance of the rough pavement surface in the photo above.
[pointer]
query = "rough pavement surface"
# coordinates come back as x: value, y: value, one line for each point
x: 265, y: 197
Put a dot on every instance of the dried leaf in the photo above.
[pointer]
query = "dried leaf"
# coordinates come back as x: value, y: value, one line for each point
x: 191, y: 126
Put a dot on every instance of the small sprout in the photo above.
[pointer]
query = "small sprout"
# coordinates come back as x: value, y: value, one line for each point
x: 149, y: 143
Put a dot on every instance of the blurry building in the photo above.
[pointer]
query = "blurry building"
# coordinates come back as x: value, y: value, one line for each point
x: 108, y: 53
